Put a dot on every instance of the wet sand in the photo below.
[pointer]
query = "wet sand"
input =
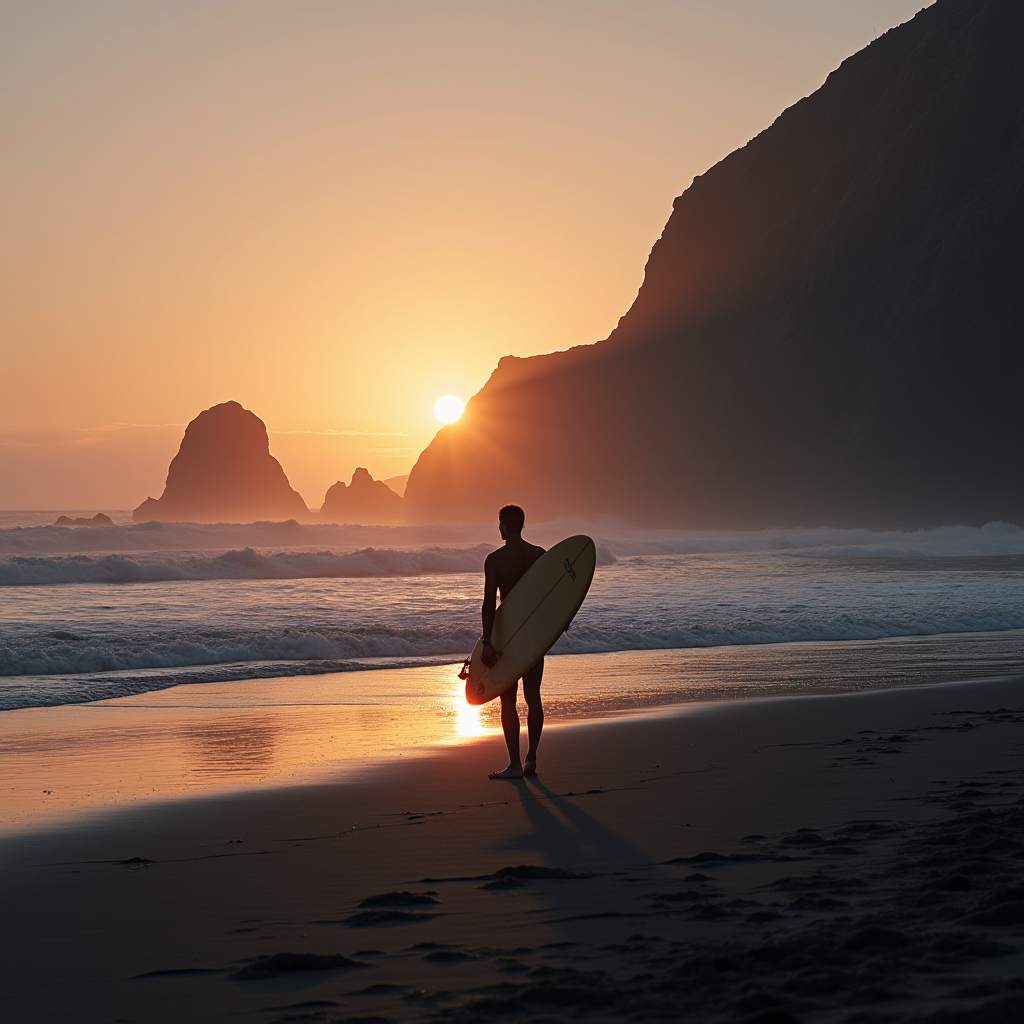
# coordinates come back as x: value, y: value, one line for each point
x: 61, y: 764
x: 850, y: 857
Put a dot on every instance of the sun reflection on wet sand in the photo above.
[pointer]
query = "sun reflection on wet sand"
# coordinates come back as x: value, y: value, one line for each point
x: 60, y: 762
x: 234, y: 746
x: 472, y: 721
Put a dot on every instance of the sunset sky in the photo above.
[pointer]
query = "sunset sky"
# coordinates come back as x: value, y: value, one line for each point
x: 336, y: 212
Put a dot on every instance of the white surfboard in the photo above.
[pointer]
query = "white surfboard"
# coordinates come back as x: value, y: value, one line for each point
x: 534, y: 614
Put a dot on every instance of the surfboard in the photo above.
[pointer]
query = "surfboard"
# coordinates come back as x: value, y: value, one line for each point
x: 534, y: 614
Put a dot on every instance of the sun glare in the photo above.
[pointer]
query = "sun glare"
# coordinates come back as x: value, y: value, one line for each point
x: 469, y: 719
x: 448, y: 409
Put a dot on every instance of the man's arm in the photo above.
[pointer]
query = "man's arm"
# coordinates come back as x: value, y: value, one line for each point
x: 490, y: 656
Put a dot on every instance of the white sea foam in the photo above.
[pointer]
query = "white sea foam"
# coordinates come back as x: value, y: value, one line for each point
x: 244, y: 564
x: 62, y: 652
x: 993, y: 539
x: 621, y: 539
x: 154, y: 536
x: 280, y: 604
x: 211, y: 629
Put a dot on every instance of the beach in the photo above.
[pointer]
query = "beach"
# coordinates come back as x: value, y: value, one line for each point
x: 365, y: 361
x: 240, y: 779
x: 838, y: 856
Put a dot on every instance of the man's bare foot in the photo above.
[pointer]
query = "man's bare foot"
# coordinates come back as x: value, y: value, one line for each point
x: 529, y: 767
x: 511, y: 772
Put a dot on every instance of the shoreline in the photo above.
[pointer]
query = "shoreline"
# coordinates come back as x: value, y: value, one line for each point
x: 131, y: 681
x: 68, y: 761
x: 647, y: 842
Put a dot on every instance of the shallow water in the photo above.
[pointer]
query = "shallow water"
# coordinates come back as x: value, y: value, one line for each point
x: 70, y: 643
x: 199, y: 668
x: 60, y: 764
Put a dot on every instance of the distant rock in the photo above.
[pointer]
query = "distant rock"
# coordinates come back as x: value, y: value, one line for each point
x: 224, y: 472
x: 363, y: 501
x: 97, y: 520
x: 397, y: 483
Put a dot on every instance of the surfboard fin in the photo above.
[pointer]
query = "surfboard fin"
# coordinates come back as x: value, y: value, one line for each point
x: 464, y: 671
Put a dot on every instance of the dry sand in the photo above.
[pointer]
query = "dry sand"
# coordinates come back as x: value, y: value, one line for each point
x: 851, y: 858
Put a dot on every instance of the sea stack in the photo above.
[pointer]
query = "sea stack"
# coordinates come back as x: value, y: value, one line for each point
x: 364, y: 501
x: 224, y: 472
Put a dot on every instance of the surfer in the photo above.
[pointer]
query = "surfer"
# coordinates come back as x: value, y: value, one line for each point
x: 502, y: 571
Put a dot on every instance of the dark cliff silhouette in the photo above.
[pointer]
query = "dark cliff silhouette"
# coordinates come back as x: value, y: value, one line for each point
x: 224, y: 472
x: 365, y: 501
x: 830, y: 329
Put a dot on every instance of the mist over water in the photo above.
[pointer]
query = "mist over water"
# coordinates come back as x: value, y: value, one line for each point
x: 84, y: 625
x: 151, y: 552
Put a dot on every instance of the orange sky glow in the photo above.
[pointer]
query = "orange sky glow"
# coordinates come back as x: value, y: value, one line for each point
x: 337, y: 212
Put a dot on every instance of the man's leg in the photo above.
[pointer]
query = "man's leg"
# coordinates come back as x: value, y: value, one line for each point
x: 510, y: 727
x: 535, y: 715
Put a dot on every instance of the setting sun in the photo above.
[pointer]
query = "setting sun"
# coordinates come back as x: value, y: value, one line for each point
x: 448, y: 409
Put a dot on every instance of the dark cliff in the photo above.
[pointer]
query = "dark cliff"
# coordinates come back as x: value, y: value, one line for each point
x: 830, y: 329
x: 224, y: 472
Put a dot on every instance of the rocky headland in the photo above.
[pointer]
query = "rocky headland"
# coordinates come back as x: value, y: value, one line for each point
x: 829, y: 329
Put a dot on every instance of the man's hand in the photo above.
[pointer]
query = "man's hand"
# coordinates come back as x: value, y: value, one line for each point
x: 489, y: 655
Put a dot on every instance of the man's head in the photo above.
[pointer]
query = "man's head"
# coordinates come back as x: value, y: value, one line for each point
x: 511, y: 520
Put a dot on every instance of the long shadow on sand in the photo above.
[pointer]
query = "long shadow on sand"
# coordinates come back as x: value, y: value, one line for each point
x: 567, y: 837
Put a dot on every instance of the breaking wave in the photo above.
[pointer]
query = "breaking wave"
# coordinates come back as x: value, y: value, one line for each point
x: 244, y: 564
x: 65, y: 667
x: 992, y: 540
x: 157, y: 552
x: 80, y: 640
x: 204, y: 655
x: 154, y: 536
x: 947, y: 541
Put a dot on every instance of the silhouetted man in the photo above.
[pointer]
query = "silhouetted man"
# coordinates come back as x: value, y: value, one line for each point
x: 502, y: 571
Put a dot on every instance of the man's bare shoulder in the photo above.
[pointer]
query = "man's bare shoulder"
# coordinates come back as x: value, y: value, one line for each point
x: 512, y: 554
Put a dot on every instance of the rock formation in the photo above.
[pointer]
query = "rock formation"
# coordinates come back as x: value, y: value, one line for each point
x: 224, y: 472
x: 363, y: 501
x: 100, y: 519
x: 829, y: 330
x: 397, y: 483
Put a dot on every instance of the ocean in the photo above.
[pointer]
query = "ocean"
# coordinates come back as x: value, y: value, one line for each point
x: 90, y: 614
